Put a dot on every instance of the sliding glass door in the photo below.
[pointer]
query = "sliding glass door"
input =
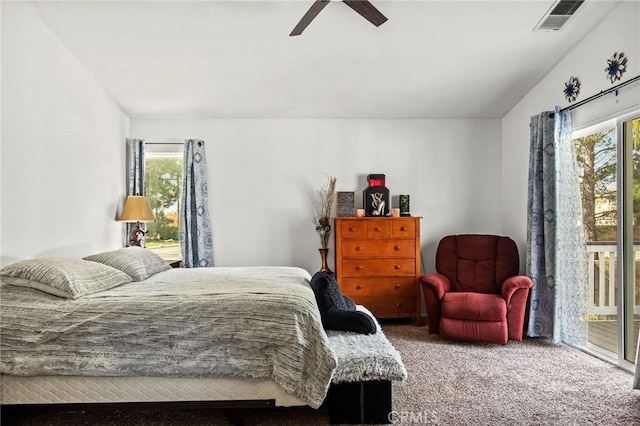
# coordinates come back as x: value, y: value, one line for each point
x: 608, y: 157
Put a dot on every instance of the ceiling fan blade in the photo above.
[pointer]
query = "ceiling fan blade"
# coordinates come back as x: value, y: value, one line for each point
x: 313, y: 11
x: 367, y: 10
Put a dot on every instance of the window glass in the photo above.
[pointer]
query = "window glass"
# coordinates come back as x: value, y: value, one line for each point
x: 163, y: 180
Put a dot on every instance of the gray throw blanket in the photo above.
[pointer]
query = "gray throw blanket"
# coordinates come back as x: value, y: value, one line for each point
x: 363, y: 357
x: 246, y: 322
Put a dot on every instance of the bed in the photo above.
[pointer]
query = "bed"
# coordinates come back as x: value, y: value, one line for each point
x: 123, y: 327
x: 255, y: 330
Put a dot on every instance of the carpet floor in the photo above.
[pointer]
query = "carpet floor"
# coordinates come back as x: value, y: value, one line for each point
x: 532, y: 382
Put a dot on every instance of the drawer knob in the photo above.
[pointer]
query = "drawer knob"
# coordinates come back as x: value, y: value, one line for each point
x: 403, y: 228
x: 397, y: 286
x: 398, y: 305
x: 359, y: 287
x: 352, y: 229
x: 358, y: 268
x: 377, y: 229
x: 396, y: 267
x: 358, y: 248
x: 396, y: 248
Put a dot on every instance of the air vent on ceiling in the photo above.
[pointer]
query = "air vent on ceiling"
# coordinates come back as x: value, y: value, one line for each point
x: 558, y: 15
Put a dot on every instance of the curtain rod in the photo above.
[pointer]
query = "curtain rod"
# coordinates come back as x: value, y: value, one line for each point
x: 604, y: 92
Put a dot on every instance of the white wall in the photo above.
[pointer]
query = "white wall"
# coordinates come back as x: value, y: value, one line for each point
x: 618, y: 32
x: 264, y: 174
x: 63, y: 173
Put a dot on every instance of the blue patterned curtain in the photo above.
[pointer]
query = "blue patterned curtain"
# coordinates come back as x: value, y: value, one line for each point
x: 541, y: 225
x: 196, y: 237
x: 572, y: 285
x: 556, y: 258
x: 135, y: 179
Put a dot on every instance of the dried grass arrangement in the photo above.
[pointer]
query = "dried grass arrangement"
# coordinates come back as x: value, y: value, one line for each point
x: 323, y: 205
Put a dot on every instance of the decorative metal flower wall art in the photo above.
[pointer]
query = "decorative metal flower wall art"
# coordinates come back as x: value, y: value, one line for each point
x: 616, y: 66
x: 572, y: 89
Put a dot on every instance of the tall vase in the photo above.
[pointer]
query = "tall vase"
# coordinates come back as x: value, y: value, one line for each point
x: 323, y: 257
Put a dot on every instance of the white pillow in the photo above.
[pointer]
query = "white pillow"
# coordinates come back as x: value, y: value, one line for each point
x: 137, y: 262
x: 63, y: 277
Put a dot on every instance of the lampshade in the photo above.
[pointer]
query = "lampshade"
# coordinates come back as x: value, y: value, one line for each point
x: 136, y: 209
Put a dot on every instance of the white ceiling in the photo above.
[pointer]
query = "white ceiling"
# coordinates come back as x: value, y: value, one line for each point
x: 235, y: 59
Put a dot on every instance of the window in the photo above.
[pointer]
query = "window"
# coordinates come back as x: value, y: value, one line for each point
x: 163, y: 181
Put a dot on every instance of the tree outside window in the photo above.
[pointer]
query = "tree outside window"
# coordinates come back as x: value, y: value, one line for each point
x: 163, y: 180
x: 596, y: 156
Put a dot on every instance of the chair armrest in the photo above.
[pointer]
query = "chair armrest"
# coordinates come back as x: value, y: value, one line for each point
x: 434, y: 287
x: 515, y: 291
x: 513, y: 284
x: 439, y: 283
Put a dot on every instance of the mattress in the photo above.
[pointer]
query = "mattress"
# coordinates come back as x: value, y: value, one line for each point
x: 82, y: 389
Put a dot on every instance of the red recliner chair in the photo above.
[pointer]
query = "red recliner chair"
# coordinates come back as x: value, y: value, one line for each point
x: 476, y: 294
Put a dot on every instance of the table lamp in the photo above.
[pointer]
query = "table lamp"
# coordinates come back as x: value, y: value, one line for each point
x: 136, y: 209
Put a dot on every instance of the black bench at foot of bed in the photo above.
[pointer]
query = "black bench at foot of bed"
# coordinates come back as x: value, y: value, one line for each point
x: 360, y: 402
x: 360, y: 391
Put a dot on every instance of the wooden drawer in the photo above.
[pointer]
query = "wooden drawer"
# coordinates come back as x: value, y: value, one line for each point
x: 356, y: 287
x: 353, y: 228
x: 377, y: 267
x: 403, y: 228
x: 379, y: 248
x: 389, y: 306
x: 378, y: 229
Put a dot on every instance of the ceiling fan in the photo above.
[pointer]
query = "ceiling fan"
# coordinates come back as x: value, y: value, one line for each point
x: 363, y: 7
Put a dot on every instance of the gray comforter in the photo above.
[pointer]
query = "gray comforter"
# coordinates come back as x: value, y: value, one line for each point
x: 248, y: 322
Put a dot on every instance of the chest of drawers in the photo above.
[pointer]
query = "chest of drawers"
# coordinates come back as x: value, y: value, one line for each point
x: 378, y: 264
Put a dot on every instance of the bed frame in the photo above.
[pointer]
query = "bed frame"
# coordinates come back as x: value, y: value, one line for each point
x: 235, y: 411
x: 347, y: 403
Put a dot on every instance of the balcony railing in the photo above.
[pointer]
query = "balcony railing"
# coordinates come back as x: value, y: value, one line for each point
x: 603, y: 273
